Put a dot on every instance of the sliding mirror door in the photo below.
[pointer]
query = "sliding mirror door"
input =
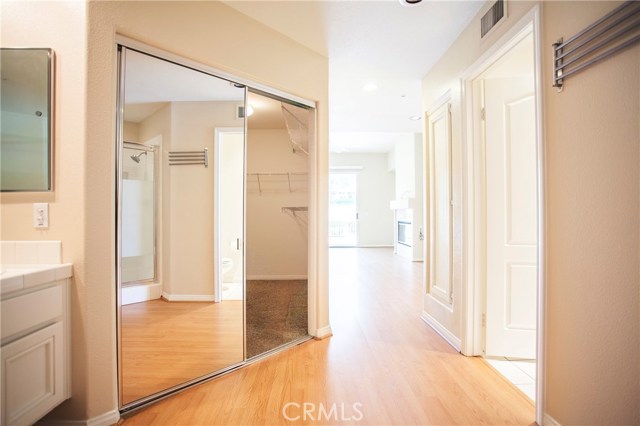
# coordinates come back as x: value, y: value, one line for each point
x: 277, y: 219
x: 174, y: 328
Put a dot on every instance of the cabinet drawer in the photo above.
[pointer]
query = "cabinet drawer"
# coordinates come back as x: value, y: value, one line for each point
x: 26, y: 311
x: 32, y: 376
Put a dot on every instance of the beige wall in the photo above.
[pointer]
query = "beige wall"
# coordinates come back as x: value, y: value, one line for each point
x: 592, y: 176
x: 62, y: 27
x: 190, y: 245
x: 131, y: 131
x: 592, y: 160
x: 82, y: 205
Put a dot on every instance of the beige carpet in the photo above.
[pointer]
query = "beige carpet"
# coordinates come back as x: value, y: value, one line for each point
x: 276, y: 314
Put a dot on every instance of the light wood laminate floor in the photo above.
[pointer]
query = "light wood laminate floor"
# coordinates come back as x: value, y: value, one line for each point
x: 165, y: 343
x: 382, y: 361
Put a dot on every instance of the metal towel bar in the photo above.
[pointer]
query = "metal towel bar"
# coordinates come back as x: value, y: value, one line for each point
x: 612, y: 33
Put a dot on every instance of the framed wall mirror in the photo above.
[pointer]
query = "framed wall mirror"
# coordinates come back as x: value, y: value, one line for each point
x: 26, y: 119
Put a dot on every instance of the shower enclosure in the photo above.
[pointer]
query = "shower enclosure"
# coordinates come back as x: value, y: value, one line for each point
x: 138, y: 261
x: 213, y: 223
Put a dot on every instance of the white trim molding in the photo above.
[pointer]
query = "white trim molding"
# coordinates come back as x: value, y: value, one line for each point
x: 547, y: 420
x: 106, y: 419
x: 442, y: 331
x: 276, y: 277
x: 188, y: 297
x: 323, y: 332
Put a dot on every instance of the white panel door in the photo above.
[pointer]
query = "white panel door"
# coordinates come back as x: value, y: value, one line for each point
x: 510, y: 142
x: 440, y: 212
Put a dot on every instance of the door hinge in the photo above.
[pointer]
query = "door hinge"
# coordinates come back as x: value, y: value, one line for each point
x: 482, y: 114
x: 484, y: 320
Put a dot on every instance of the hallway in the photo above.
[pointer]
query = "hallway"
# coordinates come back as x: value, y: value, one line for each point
x: 382, y: 366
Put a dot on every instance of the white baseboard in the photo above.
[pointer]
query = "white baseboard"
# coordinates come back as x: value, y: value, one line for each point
x: 442, y: 331
x: 547, y: 420
x: 275, y: 277
x: 106, y: 419
x: 188, y: 297
x: 141, y: 293
x: 323, y: 332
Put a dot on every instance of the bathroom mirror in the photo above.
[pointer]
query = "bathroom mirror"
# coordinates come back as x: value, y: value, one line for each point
x: 26, y: 119
x: 175, y: 325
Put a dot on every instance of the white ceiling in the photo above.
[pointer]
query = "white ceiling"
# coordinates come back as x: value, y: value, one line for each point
x: 150, y: 82
x: 378, y: 41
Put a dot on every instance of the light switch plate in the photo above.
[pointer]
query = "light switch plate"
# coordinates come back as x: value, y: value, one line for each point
x: 40, y: 215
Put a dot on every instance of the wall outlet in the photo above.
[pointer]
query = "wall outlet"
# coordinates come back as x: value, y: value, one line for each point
x: 41, y: 215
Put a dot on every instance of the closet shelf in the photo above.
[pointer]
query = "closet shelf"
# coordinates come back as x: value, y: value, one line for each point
x: 279, y: 182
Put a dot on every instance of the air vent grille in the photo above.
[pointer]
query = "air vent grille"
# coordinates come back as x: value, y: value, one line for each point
x: 240, y: 112
x: 492, y: 17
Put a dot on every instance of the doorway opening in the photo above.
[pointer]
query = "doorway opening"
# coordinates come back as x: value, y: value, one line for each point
x: 505, y: 200
x: 508, y: 117
x: 343, y: 210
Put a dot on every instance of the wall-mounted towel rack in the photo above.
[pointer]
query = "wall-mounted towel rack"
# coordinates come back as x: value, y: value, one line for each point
x: 279, y: 182
x: 611, y: 34
x: 189, y: 158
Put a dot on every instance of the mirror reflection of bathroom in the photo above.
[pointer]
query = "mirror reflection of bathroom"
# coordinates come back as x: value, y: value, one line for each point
x: 278, y: 141
x: 173, y: 328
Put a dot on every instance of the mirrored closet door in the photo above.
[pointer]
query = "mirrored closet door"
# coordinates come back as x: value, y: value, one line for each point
x: 277, y: 216
x: 213, y: 218
x: 173, y: 327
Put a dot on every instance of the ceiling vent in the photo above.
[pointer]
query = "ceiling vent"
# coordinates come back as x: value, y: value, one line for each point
x: 240, y: 112
x: 491, y: 18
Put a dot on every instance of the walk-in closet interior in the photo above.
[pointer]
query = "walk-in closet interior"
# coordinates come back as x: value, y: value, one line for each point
x: 213, y: 216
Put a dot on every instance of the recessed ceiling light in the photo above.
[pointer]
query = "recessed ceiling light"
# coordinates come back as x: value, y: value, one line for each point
x: 409, y: 3
x: 370, y: 87
x: 415, y: 117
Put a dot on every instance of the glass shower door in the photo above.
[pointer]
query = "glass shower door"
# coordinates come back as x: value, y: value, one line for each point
x: 138, y: 262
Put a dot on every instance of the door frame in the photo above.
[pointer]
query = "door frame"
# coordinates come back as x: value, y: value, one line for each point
x: 317, y: 295
x: 474, y: 229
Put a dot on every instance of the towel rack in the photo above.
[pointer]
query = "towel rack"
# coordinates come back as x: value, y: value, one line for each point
x: 188, y: 158
x: 612, y: 33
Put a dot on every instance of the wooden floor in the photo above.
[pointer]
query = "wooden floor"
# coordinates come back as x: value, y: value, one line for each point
x: 383, y: 366
x: 165, y: 343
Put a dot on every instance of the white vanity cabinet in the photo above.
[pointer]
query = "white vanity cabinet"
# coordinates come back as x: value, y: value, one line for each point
x: 35, y: 348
